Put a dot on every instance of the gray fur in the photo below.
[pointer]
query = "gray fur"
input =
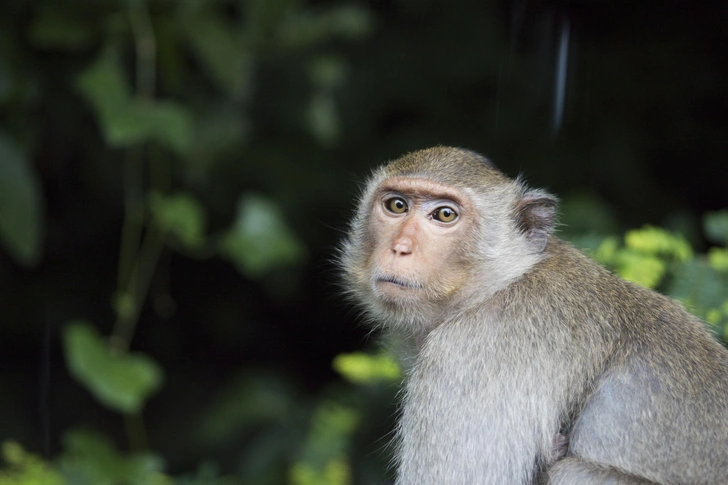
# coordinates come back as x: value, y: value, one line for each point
x: 541, y: 340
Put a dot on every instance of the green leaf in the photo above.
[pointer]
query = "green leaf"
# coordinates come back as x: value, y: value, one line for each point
x: 126, y: 120
x: 121, y: 382
x: 104, y: 84
x: 716, y: 226
x: 260, y: 240
x: 643, y: 269
x: 718, y: 259
x: 221, y: 52
x: 363, y: 368
x: 91, y: 459
x: 208, y: 473
x: 181, y: 215
x: 166, y: 122
x: 607, y: 251
x: 698, y: 286
x: 323, y: 460
x: 656, y: 240
x: 27, y: 469
x: 323, y: 118
x: 21, y: 206
x: 336, y: 472
x: 331, y: 428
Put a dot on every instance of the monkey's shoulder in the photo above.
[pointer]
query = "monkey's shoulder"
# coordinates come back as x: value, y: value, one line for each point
x: 577, y: 289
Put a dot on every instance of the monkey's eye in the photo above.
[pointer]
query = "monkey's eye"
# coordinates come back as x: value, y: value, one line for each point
x: 396, y: 205
x: 444, y: 214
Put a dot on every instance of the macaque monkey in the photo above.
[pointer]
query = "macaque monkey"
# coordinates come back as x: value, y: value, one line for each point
x: 517, y: 341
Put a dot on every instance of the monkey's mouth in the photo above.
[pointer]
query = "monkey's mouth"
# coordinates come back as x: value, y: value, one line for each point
x: 400, y: 282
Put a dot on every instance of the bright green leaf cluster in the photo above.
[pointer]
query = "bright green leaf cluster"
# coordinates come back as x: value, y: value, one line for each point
x: 646, y: 256
x: 718, y: 259
x: 122, y: 382
x: 363, y: 368
x: 643, y: 269
x: 260, y: 240
x: 658, y: 241
x: 27, y: 469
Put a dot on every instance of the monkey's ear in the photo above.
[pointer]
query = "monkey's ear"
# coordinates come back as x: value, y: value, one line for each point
x: 536, y: 217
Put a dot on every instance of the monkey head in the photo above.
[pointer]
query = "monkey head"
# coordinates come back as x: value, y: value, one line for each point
x: 434, y: 228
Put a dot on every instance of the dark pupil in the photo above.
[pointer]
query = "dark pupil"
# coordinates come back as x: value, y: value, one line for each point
x: 398, y: 204
x: 445, y: 213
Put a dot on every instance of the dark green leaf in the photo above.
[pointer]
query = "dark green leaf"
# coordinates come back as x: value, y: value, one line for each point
x: 182, y: 215
x: 91, y: 459
x: 699, y: 286
x: 126, y: 120
x: 219, y: 48
x: 104, y: 84
x: 260, y: 239
x: 716, y: 226
x: 251, y: 399
x: 323, y: 119
x: 21, y: 206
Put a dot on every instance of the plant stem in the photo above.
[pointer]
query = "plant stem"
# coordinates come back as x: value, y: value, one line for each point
x: 146, y: 48
x: 136, y: 432
x: 136, y: 264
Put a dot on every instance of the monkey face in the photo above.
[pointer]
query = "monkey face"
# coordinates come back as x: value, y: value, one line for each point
x: 440, y: 229
x: 417, y: 228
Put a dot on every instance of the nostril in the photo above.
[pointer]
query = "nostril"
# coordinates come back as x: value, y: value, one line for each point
x: 401, y: 249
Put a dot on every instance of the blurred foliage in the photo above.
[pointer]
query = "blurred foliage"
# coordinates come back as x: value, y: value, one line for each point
x: 21, y: 213
x: 173, y: 176
x: 665, y: 261
x: 121, y: 381
x: 362, y: 368
x: 26, y: 469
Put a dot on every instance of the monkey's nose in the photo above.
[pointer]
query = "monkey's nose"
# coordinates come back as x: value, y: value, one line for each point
x: 402, y: 248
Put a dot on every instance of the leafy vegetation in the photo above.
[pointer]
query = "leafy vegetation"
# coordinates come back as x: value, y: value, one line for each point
x: 173, y: 176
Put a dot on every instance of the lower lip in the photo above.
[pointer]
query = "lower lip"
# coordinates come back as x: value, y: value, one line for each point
x: 397, y: 285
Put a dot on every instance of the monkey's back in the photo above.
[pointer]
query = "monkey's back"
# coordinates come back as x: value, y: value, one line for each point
x: 658, y: 388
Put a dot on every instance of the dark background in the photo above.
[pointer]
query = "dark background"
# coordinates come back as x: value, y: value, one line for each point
x: 319, y: 101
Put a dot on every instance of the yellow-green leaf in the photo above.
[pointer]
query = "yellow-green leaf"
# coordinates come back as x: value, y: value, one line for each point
x: 643, y: 269
x: 363, y: 368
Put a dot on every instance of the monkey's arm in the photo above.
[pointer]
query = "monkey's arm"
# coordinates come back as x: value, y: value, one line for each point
x: 652, y: 418
x: 576, y: 471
